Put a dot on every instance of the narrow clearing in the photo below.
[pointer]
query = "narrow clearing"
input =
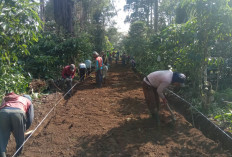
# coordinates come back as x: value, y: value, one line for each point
x: 112, y: 121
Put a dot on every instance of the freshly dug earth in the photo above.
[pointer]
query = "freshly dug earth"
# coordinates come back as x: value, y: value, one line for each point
x: 112, y: 121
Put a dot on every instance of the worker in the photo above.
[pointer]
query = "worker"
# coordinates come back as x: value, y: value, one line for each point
x: 117, y: 57
x: 68, y: 74
x: 104, y: 73
x: 82, y: 71
x: 16, y: 116
x: 133, y: 63
x: 154, y: 85
x: 124, y: 58
x: 88, y: 64
x: 98, y: 68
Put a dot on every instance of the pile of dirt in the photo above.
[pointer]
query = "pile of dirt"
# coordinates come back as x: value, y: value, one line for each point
x: 111, y: 121
x: 37, y: 85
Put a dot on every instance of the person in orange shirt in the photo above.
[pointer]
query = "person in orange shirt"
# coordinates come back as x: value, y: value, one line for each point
x: 98, y: 68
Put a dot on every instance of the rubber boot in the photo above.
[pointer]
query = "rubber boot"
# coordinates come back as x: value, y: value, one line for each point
x: 157, y: 120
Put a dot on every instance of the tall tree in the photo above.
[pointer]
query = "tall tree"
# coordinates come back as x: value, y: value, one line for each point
x: 42, y: 11
x: 156, y: 16
x: 63, y: 14
x: 139, y: 10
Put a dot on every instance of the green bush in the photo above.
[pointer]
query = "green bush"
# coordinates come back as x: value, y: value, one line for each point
x: 13, y: 78
x: 225, y: 95
x: 53, y: 52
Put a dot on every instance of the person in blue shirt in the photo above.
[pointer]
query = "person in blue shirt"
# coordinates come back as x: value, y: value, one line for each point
x: 88, y: 64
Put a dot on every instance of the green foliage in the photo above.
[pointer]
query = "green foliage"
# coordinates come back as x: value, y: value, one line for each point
x: 13, y: 78
x: 190, y: 47
x: 19, y: 27
x: 114, y: 37
x: 53, y: 52
x: 224, y: 116
x: 136, y: 43
x: 107, y: 45
x: 224, y: 95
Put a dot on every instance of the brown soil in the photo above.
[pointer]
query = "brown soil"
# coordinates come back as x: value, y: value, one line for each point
x: 112, y: 121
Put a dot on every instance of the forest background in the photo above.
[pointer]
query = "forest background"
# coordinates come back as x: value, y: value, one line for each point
x: 37, y: 39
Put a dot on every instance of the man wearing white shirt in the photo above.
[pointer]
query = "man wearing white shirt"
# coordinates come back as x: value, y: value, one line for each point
x: 88, y: 64
x: 154, y: 85
x: 82, y: 71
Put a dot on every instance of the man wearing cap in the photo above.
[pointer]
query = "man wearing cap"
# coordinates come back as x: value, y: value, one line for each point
x: 68, y: 74
x: 16, y: 116
x: 98, y: 68
x: 154, y: 85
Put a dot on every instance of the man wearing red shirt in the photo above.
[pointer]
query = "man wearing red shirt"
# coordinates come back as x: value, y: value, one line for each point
x: 68, y: 74
x: 16, y: 116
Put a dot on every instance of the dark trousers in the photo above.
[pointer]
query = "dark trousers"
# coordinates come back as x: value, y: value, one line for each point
x: 152, y: 100
x: 133, y: 65
x: 11, y: 120
x: 117, y: 60
x: 68, y: 82
x: 82, y: 74
x: 88, y: 71
x: 123, y: 61
x: 99, y: 78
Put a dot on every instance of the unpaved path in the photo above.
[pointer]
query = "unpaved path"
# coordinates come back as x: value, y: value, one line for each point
x: 112, y: 121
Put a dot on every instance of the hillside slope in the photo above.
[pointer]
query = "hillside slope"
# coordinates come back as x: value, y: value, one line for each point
x: 112, y: 121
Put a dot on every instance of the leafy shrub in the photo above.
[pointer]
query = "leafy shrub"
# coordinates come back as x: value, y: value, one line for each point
x: 224, y: 95
x: 53, y: 52
x: 12, y: 79
x: 19, y: 27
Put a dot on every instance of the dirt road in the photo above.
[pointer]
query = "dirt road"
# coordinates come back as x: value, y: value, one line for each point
x: 112, y: 121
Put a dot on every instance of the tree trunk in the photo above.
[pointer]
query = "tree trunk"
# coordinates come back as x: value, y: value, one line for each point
x: 63, y: 14
x: 151, y: 18
x: 156, y: 16
x: 42, y: 15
